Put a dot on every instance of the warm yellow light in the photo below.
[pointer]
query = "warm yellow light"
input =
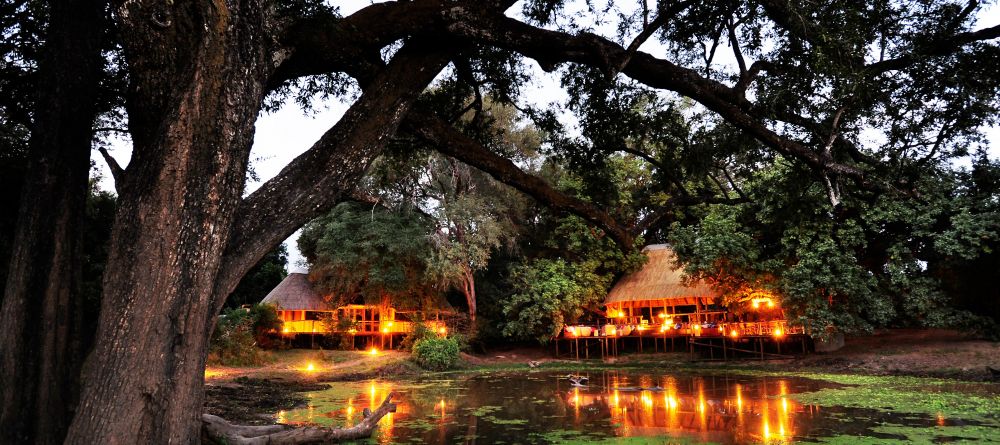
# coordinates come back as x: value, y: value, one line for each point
x: 614, y: 331
x: 443, y: 330
x: 352, y: 331
x: 784, y: 405
x: 310, y: 367
x: 648, y: 401
x: 373, y: 351
x: 385, y: 330
x: 697, y: 330
x: 778, y: 333
x: 671, y: 402
x: 572, y: 331
x: 663, y: 328
x: 389, y: 324
x: 722, y: 329
x: 663, y: 315
x: 641, y: 327
x: 756, y: 304
x: 767, y: 430
x: 770, y: 303
x: 284, y: 331
x: 734, y: 334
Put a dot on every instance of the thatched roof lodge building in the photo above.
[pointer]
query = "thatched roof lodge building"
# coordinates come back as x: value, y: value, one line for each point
x: 655, y: 299
x: 657, y: 291
x: 303, y: 310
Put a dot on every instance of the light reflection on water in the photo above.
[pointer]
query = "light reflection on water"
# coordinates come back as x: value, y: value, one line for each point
x: 525, y: 408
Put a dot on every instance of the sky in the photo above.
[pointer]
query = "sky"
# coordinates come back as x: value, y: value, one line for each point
x: 282, y: 135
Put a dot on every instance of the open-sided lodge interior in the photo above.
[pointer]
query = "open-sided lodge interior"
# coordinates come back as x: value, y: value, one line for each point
x: 303, y: 310
x: 655, y: 301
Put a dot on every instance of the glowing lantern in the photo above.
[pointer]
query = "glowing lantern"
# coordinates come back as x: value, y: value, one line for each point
x: 734, y: 334
x: 778, y: 333
x: 385, y: 330
x: 756, y: 304
x: 389, y: 324
x: 284, y: 331
x: 310, y: 367
x: 374, y: 351
x: 443, y: 330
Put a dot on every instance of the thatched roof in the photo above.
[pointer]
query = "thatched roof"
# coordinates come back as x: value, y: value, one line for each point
x: 295, y: 293
x: 658, y: 280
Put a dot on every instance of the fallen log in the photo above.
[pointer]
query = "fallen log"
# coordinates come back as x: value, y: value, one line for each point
x: 219, y: 430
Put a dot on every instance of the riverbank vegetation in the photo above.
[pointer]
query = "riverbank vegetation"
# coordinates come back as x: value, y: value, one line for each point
x: 838, y: 156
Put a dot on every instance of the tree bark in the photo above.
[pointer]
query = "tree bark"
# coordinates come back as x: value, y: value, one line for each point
x: 197, y: 72
x: 192, y: 106
x: 42, y: 335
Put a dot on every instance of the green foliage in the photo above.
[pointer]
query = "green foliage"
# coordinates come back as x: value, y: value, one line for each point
x: 871, y: 263
x: 338, y: 330
x: 369, y: 250
x: 419, y: 332
x: 234, y: 341
x: 436, y: 354
x: 260, y: 279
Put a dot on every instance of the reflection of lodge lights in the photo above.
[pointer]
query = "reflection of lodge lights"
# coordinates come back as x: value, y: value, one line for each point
x: 350, y: 406
x: 576, y: 397
x: 739, y: 398
x: 373, y: 351
x: 615, y: 399
x: 646, y: 400
x: 310, y: 367
x: 784, y: 405
x: 767, y: 430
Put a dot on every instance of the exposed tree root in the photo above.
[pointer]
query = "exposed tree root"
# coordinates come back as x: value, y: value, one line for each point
x: 220, y: 430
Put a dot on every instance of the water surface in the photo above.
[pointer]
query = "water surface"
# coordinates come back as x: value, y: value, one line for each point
x: 614, y: 406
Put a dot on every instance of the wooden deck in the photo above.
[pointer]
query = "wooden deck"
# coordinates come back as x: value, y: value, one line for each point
x: 722, y: 341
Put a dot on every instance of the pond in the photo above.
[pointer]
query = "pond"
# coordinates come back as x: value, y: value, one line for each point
x: 626, y: 408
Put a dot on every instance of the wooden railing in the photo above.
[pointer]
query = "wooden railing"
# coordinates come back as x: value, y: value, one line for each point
x: 361, y: 328
x: 754, y: 329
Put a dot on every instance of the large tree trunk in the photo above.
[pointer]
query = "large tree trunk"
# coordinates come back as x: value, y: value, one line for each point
x: 197, y: 70
x: 198, y: 75
x: 42, y: 336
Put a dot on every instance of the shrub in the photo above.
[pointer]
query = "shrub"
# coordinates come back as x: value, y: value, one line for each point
x: 235, y: 339
x: 436, y: 354
x: 420, y: 332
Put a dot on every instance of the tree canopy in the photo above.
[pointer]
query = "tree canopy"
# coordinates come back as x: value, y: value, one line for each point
x: 818, y: 146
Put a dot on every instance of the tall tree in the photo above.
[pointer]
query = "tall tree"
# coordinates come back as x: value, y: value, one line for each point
x: 42, y: 288
x: 199, y: 73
